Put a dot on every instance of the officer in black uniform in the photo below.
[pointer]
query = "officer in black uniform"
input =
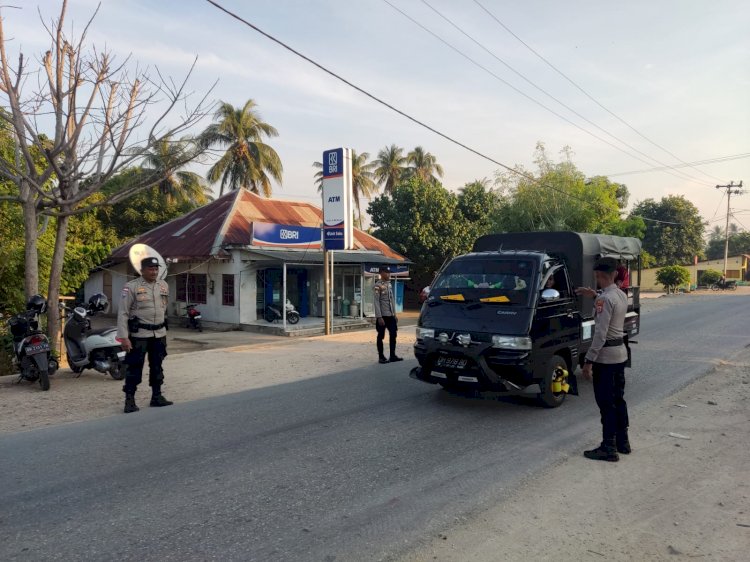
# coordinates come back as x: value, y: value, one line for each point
x: 142, y: 329
x: 605, y: 362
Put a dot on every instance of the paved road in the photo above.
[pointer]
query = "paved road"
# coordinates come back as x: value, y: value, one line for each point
x: 351, y: 466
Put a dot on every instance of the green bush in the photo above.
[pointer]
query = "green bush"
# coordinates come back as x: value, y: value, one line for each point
x: 672, y: 276
x: 6, y: 348
x: 710, y: 276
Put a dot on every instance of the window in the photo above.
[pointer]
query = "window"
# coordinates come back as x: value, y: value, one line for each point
x: 227, y: 290
x: 191, y: 288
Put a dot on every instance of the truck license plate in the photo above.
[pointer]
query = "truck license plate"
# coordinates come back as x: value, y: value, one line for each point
x: 451, y: 362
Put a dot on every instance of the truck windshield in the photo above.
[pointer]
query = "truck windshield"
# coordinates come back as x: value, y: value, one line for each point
x: 485, y: 280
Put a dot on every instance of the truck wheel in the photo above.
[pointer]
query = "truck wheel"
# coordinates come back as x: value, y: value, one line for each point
x: 547, y: 397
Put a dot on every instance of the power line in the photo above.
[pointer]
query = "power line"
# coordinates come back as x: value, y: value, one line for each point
x: 592, y: 98
x: 542, y: 90
x: 404, y: 114
x: 524, y: 94
x: 717, y: 160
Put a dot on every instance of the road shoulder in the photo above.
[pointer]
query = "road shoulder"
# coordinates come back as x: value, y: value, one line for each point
x: 672, y: 498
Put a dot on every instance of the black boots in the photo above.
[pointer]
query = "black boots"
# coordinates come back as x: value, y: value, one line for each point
x: 130, y: 405
x: 157, y: 401
x: 382, y: 359
x: 607, y: 451
x: 623, y: 443
x: 395, y: 359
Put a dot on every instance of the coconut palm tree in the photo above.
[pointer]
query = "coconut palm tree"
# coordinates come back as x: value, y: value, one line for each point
x: 424, y: 165
x: 248, y: 161
x: 363, y: 178
x: 166, y: 160
x: 391, y: 164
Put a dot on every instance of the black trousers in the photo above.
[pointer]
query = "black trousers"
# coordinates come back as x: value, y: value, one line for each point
x: 609, y: 390
x: 390, y: 323
x: 153, y: 348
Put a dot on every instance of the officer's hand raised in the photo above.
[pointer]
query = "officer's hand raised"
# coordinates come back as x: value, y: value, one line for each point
x: 585, y: 292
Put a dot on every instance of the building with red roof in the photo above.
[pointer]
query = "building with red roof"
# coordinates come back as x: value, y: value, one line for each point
x: 231, y: 257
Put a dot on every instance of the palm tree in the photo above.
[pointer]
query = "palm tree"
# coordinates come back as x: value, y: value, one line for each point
x: 424, y: 165
x: 165, y: 160
x: 391, y: 164
x: 248, y: 161
x: 363, y: 178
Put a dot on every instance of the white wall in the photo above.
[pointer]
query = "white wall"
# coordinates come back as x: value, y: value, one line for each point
x: 94, y: 284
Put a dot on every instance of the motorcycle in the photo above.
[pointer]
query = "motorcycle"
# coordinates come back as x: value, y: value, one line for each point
x: 724, y: 286
x: 193, y: 317
x: 92, y: 349
x: 273, y: 313
x: 32, y: 354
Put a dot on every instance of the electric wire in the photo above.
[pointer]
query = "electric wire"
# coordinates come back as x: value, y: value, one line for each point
x: 592, y: 98
x: 548, y: 94
x: 406, y: 115
x: 707, y: 161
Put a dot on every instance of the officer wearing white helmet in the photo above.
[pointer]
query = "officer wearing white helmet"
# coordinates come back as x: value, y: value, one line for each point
x: 142, y: 329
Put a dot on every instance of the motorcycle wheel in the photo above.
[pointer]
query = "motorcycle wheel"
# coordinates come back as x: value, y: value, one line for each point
x: 198, y: 325
x: 117, y: 370
x: 714, y: 287
x: 44, y: 380
x: 733, y: 287
x: 270, y: 317
x: 292, y: 317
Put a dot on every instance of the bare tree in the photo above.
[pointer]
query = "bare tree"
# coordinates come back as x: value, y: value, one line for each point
x: 100, y: 116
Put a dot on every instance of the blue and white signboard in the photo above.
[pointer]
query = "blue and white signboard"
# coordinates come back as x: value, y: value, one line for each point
x: 337, y: 199
x: 286, y: 235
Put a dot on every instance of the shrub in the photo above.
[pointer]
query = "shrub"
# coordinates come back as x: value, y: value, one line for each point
x: 710, y: 276
x: 672, y: 276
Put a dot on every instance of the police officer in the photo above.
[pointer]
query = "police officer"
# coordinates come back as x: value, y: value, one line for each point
x: 605, y: 362
x: 141, y: 327
x: 385, y: 314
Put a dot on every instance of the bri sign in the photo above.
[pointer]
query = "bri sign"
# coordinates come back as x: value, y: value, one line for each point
x: 286, y: 235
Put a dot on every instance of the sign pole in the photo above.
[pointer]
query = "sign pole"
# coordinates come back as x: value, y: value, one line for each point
x: 283, y: 298
x: 333, y: 291
x: 327, y: 284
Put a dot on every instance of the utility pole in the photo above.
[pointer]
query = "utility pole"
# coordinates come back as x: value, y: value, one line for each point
x: 736, y: 190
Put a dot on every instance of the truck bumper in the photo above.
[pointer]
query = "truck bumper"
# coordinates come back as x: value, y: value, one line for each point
x: 478, y: 366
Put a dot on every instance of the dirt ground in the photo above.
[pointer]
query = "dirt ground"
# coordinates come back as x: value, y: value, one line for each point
x: 190, y: 376
x: 671, y: 499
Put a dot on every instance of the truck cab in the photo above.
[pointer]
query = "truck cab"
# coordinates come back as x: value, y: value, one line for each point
x: 506, y: 318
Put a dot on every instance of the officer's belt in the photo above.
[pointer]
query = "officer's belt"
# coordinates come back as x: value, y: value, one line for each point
x: 614, y: 343
x: 152, y: 327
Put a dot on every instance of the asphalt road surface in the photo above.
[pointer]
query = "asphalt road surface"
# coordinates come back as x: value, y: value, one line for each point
x: 352, y: 466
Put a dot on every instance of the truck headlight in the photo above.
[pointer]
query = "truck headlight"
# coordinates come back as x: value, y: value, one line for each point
x: 423, y: 333
x: 511, y: 342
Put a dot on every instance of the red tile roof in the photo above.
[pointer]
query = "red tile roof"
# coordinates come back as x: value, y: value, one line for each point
x: 228, y: 222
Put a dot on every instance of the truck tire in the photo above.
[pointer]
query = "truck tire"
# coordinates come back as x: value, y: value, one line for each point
x: 548, y: 398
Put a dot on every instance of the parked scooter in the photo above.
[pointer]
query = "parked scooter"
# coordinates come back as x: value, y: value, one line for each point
x: 92, y: 349
x: 273, y: 313
x: 724, y: 286
x: 193, y: 317
x: 31, y: 350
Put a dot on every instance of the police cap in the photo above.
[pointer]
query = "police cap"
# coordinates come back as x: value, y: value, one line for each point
x: 607, y: 265
x: 149, y: 262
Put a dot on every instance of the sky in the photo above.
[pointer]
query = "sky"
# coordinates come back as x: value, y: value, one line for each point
x: 676, y: 71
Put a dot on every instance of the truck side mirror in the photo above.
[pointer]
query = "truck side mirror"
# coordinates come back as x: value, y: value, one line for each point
x: 550, y: 294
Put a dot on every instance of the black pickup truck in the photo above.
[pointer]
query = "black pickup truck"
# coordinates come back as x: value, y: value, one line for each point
x: 505, y: 317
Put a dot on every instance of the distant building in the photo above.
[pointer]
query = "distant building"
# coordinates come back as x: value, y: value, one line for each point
x: 737, y: 269
x: 229, y: 257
